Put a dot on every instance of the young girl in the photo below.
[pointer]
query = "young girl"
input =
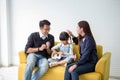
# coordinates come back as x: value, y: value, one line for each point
x: 63, y: 49
x: 87, y: 49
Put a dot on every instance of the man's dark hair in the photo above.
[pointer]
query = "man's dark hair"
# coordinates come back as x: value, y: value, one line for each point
x: 44, y: 22
x: 64, y: 36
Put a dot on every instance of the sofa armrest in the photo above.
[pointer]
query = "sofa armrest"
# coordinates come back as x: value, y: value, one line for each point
x: 22, y: 57
x: 103, y: 66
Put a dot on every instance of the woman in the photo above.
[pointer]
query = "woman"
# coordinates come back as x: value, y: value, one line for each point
x: 87, y: 50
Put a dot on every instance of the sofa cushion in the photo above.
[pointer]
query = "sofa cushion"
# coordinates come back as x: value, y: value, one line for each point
x: 90, y: 76
x: 55, y: 73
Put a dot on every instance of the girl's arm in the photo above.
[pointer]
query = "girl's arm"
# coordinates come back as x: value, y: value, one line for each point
x: 56, y: 48
x: 71, y: 49
x: 56, y: 52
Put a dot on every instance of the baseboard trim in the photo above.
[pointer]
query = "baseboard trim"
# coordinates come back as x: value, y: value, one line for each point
x: 115, y: 77
x: 6, y: 66
x: 0, y: 65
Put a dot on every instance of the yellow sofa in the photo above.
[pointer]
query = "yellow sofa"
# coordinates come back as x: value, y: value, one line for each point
x: 102, y: 68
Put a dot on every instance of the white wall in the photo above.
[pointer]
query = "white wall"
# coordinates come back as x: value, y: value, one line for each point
x: 4, y: 34
x: 103, y: 16
x: 0, y: 33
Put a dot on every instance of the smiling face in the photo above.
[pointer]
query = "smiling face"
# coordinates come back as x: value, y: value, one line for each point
x: 45, y: 29
x: 64, y: 42
x: 79, y: 30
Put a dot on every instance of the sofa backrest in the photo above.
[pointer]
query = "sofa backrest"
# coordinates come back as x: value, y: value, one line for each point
x: 103, y: 66
x: 76, y: 50
x: 99, y: 51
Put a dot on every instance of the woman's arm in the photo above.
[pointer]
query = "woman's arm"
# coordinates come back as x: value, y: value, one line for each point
x: 86, y: 52
x: 75, y: 39
x: 70, y: 33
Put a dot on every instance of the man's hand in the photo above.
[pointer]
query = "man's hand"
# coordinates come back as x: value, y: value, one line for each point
x: 48, y: 47
x: 43, y: 47
x: 48, y: 44
x: 72, y: 68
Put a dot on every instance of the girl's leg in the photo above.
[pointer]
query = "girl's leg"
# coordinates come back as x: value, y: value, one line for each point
x: 65, y: 60
x: 55, y: 63
x: 62, y: 62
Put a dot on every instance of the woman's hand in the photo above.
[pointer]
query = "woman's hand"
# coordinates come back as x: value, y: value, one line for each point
x: 70, y: 33
x: 72, y: 68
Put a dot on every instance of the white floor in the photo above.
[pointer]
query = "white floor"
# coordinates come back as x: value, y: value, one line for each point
x: 11, y: 73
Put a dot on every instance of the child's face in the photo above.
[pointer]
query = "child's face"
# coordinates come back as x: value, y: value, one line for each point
x: 65, y: 42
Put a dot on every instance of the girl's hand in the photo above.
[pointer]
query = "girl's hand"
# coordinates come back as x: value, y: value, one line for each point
x: 60, y: 53
x: 54, y: 51
x: 72, y: 68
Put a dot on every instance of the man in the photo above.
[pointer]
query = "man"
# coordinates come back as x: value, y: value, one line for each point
x: 37, y: 50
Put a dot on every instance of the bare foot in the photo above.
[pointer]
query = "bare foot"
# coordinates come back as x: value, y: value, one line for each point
x: 52, y: 64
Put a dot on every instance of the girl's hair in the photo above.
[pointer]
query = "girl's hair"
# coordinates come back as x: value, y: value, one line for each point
x: 64, y: 36
x: 86, y: 29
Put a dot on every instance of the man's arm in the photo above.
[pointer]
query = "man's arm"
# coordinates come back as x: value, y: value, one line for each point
x: 31, y: 50
x: 29, y: 46
x: 49, y: 45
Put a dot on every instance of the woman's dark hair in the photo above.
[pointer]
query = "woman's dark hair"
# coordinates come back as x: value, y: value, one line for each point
x: 86, y: 29
x: 44, y: 22
x: 64, y: 36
